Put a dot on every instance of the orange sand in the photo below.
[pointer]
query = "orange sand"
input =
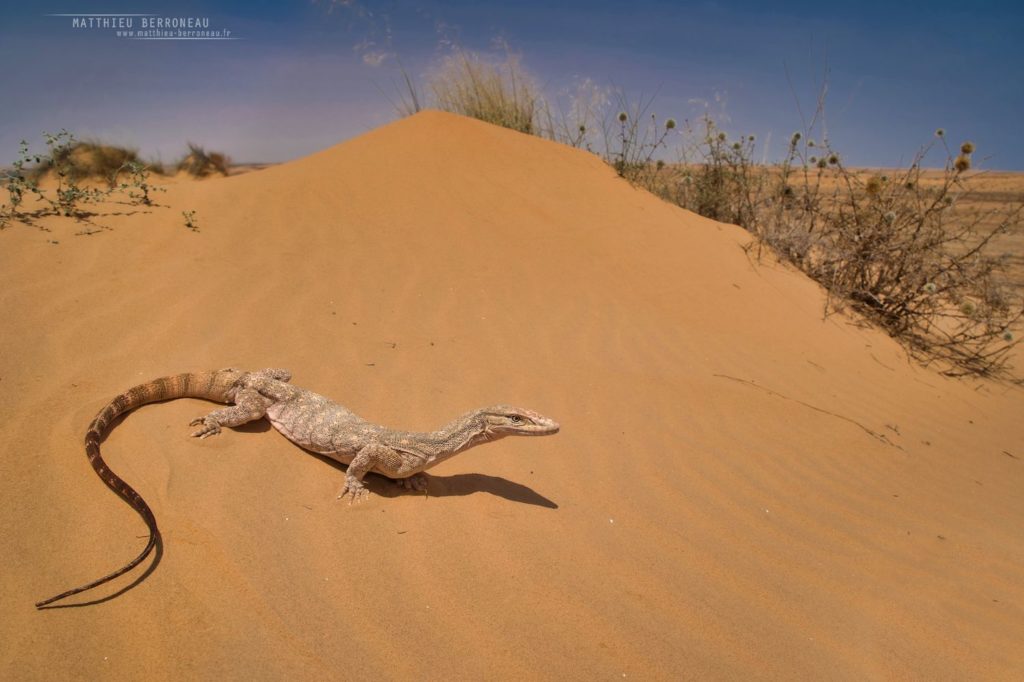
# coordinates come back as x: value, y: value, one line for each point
x: 740, y: 490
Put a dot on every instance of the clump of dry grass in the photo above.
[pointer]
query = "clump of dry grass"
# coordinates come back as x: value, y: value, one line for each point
x: 80, y: 160
x: 91, y: 159
x: 498, y: 91
x: 200, y: 163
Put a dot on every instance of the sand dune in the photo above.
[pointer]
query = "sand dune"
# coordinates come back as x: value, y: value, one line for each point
x: 740, y: 489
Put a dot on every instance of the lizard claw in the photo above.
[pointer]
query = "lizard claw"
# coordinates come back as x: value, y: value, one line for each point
x: 355, y: 489
x: 210, y: 427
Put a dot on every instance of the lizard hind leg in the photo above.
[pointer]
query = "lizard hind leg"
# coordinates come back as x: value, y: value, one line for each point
x: 417, y: 482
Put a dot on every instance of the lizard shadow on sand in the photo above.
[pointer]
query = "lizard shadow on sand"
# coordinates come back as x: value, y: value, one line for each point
x: 438, y: 486
x: 158, y: 553
x: 456, y: 485
x: 258, y: 426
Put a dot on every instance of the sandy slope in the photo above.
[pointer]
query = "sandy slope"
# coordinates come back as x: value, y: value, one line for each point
x: 739, y: 490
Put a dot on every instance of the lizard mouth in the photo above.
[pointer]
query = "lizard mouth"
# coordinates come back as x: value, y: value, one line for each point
x: 547, y: 429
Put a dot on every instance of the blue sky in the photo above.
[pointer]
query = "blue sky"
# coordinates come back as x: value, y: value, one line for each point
x: 305, y: 75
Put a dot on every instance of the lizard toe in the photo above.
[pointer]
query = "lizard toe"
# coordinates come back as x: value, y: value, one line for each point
x: 209, y: 429
x: 355, y: 491
x: 206, y: 432
x: 417, y: 482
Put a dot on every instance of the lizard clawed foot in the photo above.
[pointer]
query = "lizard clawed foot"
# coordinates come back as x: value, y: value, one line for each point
x: 210, y: 427
x: 355, y: 489
x: 417, y: 482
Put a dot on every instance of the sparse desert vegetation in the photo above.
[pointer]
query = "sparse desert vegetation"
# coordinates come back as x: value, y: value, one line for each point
x: 66, y: 162
x: 911, y: 249
x: 72, y: 174
x: 914, y: 250
x: 190, y: 220
x: 200, y: 163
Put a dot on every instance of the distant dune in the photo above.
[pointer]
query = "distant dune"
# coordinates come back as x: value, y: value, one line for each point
x: 740, y: 490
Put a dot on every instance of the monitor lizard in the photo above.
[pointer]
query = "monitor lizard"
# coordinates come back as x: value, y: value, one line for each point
x: 309, y: 420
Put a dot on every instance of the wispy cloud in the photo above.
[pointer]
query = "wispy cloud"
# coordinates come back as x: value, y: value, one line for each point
x: 373, y: 30
x: 376, y: 57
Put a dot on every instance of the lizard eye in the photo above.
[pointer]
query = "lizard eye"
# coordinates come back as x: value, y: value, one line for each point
x: 515, y: 419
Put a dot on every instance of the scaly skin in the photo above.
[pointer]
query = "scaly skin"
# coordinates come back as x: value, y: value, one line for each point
x: 221, y: 386
x: 325, y: 427
x: 311, y: 421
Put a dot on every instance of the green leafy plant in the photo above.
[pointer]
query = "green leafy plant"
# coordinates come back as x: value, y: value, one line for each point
x: 22, y: 179
x: 138, y: 186
x: 19, y: 181
x: 69, y: 193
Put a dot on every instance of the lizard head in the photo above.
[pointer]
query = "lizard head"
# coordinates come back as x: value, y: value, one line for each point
x: 505, y: 420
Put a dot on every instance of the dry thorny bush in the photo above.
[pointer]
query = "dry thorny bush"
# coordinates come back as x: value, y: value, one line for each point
x: 905, y: 249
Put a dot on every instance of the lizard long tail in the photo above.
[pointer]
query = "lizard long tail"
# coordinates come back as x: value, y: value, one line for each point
x: 208, y: 385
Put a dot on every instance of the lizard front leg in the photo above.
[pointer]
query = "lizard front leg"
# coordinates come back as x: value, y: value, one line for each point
x: 367, y: 457
x: 249, y: 406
